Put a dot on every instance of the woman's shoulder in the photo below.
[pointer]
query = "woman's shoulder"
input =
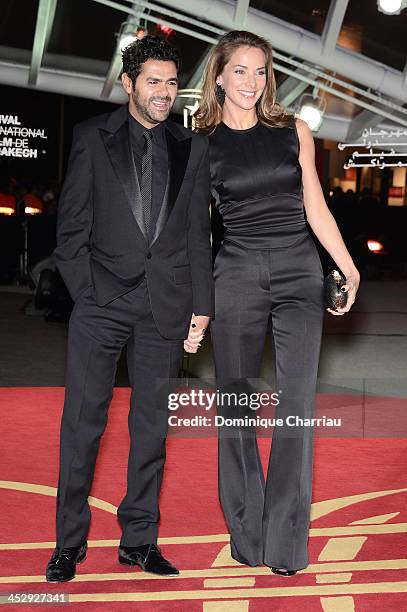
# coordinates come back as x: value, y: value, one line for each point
x: 304, y: 133
x: 302, y: 126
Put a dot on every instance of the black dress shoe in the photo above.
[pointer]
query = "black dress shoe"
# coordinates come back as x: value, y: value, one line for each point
x: 62, y: 565
x: 282, y: 571
x: 149, y: 558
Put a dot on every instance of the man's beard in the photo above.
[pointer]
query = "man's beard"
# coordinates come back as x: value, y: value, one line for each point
x: 147, y: 112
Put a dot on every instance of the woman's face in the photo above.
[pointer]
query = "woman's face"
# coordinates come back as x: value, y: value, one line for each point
x: 244, y: 77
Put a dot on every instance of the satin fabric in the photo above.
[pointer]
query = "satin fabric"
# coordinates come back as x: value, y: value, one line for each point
x: 267, y: 268
x: 256, y: 181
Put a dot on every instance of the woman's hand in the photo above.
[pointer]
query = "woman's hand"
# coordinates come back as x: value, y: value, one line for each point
x: 196, y: 333
x: 351, y: 286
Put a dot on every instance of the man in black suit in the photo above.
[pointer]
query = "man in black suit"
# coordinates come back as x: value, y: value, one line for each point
x: 133, y: 249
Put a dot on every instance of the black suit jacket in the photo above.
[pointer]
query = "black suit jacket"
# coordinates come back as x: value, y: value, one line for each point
x: 101, y: 241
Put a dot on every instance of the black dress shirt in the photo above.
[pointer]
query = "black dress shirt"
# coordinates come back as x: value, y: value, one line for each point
x: 160, y: 163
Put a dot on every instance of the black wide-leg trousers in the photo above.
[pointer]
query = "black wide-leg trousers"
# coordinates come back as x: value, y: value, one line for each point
x: 95, y: 339
x: 269, y: 521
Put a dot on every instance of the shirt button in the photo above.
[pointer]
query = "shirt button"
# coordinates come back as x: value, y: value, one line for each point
x: 149, y: 256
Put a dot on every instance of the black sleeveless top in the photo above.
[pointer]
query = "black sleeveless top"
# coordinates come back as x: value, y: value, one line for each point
x: 257, y: 186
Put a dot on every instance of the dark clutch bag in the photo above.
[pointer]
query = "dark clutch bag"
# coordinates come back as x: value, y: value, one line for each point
x: 334, y: 297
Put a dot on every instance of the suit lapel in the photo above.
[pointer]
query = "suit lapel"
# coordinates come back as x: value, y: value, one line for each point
x: 117, y: 142
x: 179, y: 149
x: 118, y: 148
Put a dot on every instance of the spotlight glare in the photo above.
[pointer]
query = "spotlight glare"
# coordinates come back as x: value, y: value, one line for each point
x: 132, y: 34
x: 126, y: 40
x: 390, y: 7
x: 375, y: 246
x: 311, y: 115
x: 29, y: 210
x: 7, y: 204
x: 164, y: 29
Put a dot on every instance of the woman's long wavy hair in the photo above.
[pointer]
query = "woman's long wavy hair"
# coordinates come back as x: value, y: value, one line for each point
x: 209, y: 113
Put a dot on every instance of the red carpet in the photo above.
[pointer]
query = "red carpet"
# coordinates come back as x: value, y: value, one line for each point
x: 358, y: 538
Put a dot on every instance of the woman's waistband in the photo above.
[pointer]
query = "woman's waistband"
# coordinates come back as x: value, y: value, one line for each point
x: 279, y: 238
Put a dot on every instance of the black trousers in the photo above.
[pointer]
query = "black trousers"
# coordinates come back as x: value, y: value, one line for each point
x: 269, y: 521
x: 95, y: 339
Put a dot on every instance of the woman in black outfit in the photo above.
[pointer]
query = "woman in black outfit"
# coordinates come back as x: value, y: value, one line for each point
x: 263, y: 177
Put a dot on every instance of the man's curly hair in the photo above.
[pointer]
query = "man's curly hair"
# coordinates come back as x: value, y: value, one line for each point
x: 149, y: 47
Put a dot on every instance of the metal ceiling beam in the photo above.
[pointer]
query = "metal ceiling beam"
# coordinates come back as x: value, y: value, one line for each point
x: 333, y: 25
x: 317, y: 73
x: 60, y: 81
x: 163, y: 21
x: 195, y: 81
x: 300, y: 43
x: 67, y: 63
x: 341, y: 94
x: 116, y: 62
x: 336, y: 128
x: 112, y: 76
x: 50, y: 22
x: 242, y: 7
x: 43, y: 27
x: 151, y: 6
x: 363, y: 120
x: 85, y: 86
x: 289, y: 30
x: 290, y: 89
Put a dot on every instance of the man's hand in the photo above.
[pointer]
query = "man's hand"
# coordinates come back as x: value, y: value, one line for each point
x: 197, y: 330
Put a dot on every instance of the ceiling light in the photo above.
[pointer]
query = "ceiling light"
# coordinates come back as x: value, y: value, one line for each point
x: 375, y: 246
x: 129, y: 33
x: 33, y: 205
x: 126, y: 40
x: 164, y: 29
x: 7, y: 204
x: 391, y: 7
x: 312, y: 109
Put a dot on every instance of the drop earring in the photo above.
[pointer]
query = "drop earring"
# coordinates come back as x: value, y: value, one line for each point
x: 220, y: 94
